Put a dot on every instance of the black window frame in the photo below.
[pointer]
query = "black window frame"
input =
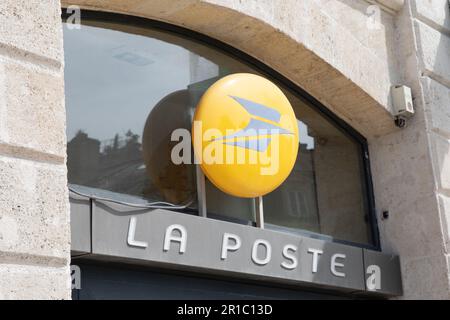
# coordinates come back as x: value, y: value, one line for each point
x: 264, y: 69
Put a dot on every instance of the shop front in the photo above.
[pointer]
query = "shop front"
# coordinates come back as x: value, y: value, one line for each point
x: 126, y: 126
x: 146, y: 226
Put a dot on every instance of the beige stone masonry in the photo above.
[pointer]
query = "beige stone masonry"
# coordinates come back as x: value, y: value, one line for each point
x: 300, y: 39
x: 34, y: 208
x: 433, y: 283
x: 328, y: 48
x: 29, y: 26
x: 437, y: 106
x: 32, y: 200
x: 32, y: 99
x: 434, y: 50
x: 441, y: 150
x: 444, y: 202
x: 435, y: 13
x: 28, y: 282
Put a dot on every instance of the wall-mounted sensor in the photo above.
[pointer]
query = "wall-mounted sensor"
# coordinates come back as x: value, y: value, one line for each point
x: 402, y: 103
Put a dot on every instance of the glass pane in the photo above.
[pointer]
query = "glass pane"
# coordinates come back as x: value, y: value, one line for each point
x: 119, y: 88
x: 220, y: 204
x: 128, y: 88
x: 325, y: 192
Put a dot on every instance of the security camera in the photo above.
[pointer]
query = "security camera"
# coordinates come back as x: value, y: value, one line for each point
x: 400, y: 122
x: 402, y: 103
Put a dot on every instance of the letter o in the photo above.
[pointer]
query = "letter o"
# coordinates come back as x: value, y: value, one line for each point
x: 268, y: 256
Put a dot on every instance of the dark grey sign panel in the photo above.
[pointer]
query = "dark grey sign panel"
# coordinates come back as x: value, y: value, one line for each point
x: 80, y: 223
x: 382, y: 273
x: 193, y: 242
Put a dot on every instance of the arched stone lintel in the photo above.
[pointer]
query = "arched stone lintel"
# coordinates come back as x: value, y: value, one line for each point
x: 269, y: 45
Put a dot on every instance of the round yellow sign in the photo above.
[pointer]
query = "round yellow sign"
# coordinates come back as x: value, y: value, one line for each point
x: 245, y: 135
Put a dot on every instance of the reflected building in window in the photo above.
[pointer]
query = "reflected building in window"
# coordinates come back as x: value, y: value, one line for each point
x: 144, y: 84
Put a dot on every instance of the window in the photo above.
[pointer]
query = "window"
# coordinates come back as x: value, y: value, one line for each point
x: 129, y: 85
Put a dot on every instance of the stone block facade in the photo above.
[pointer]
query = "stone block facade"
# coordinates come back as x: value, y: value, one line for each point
x: 346, y: 53
x: 34, y: 211
x: 432, y: 30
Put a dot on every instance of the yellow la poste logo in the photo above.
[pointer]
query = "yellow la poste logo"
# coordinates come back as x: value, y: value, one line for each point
x: 245, y: 135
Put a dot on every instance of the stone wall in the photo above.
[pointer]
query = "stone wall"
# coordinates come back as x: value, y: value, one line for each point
x: 431, y: 25
x: 406, y: 165
x: 34, y: 215
x: 310, y: 42
x: 333, y: 50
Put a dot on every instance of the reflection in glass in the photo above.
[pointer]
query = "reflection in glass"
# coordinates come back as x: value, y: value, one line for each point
x: 128, y: 88
x: 126, y: 94
x: 324, y: 192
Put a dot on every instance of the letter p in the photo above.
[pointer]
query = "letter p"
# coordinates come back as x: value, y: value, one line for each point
x: 230, y: 242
